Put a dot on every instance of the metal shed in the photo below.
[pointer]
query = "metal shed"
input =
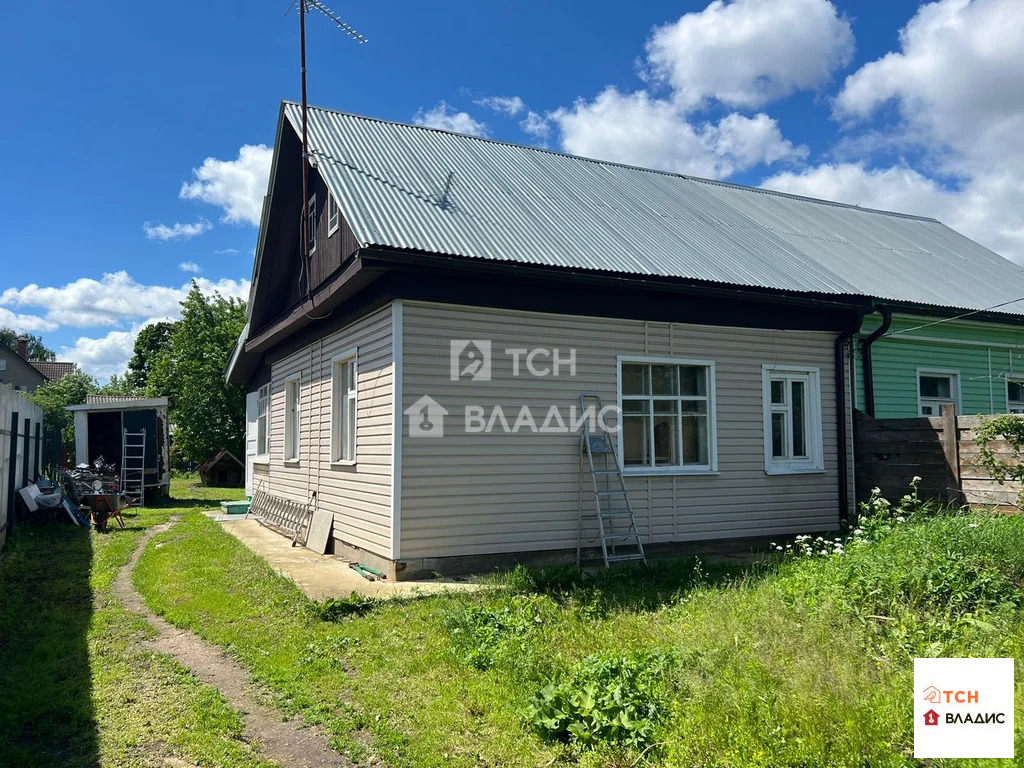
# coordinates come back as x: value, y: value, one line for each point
x: 102, y: 421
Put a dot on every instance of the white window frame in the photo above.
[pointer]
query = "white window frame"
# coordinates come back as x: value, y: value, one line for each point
x: 954, y: 387
x: 311, y: 218
x: 711, y: 468
x: 292, y: 429
x: 263, y: 401
x: 333, y: 215
x: 1020, y: 403
x: 344, y: 409
x: 814, y: 462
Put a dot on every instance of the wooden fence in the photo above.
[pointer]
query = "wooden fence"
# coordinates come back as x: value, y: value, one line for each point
x: 942, y: 451
x: 22, y: 439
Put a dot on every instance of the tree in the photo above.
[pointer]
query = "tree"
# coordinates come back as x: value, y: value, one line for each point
x: 149, y: 345
x: 120, y: 386
x: 208, y: 413
x: 54, y: 397
x: 36, y: 349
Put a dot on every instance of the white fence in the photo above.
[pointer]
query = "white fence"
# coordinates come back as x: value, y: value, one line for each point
x: 21, y: 449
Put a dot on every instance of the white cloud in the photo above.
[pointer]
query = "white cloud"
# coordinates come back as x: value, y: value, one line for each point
x: 113, y: 300
x: 104, y: 356
x: 177, y: 231
x: 189, y: 266
x: 237, y: 186
x: 958, y: 90
x: 956, y: 81
x: 740, y: 53
x: 536, y: 125
x: 509, y: 105
x: 640, y: 129
x: 746, y: 53
x: 224, y: 251
x: 441, y: 117
x: 25, y: 323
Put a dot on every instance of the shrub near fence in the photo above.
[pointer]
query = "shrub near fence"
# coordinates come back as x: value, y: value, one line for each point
x: 942, y: 451
x: 21, y: 450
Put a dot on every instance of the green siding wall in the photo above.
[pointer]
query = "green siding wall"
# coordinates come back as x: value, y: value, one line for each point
x: 983, y: 354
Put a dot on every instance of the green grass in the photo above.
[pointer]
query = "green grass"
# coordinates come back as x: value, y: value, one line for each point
x: 807, y: 662
x: 77, y: 687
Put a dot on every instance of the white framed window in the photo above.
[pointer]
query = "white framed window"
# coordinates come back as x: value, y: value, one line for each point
x: 668, y: 416
x: 792, y: 419
x: 333, y: 215
x: 311, y: 215
x: 292, y: 413
x: 263, y: 421
x: 935, y: 388
x: 1015, y: 394
x: 343, y: 408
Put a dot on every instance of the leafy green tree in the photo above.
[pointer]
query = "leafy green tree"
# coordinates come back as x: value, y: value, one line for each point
x: 36, y: 349
x: 120, y: 386
x: 207, y: 413
x: 54, y: 396
x: 149, y: 345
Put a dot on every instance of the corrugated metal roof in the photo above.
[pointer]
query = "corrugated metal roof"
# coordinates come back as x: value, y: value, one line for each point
x: 507, y: 202
x: 97, y: 399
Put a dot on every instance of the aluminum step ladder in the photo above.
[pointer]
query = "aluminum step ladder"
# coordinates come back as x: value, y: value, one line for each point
x: 133, y: 466
x: 616, y: 525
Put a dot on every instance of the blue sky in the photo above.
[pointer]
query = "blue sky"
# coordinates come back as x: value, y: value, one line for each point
x: 137, y: 136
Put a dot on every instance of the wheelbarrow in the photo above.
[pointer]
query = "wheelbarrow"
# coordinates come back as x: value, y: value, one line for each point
x: 104, y: 506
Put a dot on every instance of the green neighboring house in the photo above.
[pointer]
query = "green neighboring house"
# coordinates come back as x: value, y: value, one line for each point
x: 923, y: 361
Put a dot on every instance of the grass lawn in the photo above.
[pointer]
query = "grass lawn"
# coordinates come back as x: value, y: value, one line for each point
x: 806, y: 662
x: 77, y: 688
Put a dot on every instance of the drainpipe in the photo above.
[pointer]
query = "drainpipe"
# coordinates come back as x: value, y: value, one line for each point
x: 869, y: 380
x: 840, y: 364
x: 841, y: 414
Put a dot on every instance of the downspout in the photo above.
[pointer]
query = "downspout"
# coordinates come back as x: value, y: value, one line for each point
x: 840, y: 365
x: 869, y: 380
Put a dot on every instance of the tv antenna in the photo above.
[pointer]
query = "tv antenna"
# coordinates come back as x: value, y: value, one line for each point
x: 304, y: 7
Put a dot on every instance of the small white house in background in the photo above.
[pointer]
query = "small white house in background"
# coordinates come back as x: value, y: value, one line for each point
x: 417, y: 376
x: 100, y: 424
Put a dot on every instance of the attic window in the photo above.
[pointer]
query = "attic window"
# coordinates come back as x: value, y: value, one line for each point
x: 333, y: 215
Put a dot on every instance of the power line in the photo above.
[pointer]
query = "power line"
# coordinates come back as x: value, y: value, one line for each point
x: 957, y: 317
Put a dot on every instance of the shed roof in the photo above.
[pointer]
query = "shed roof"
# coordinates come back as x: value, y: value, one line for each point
x: 117, y: 403
x: 212, y: 460
x: 428, y: 190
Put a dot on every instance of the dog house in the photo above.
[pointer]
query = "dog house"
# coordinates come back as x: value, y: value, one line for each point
x: 102, y: 423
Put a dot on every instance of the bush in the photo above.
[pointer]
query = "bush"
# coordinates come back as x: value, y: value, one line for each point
x: 335, y: 609
x: 607, y: 699
x: 483, y: 635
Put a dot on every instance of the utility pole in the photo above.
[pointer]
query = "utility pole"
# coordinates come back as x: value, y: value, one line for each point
x: 304, y: 7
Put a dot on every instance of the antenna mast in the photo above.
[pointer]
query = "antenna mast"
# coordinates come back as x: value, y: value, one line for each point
x: 304, y: 6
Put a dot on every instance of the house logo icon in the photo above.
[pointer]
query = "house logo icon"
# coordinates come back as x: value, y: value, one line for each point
x: 426, y: 418
x: 932, y: 695
x: 470, y: 359
x: 931, y: 717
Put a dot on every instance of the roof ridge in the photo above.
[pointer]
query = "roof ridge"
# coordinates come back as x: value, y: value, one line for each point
x: 612, y: 163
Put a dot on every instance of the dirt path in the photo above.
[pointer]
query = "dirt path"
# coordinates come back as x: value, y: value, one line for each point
x: 290, y: 743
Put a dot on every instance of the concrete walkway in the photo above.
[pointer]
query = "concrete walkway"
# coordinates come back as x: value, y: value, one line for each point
x: 324, y: 576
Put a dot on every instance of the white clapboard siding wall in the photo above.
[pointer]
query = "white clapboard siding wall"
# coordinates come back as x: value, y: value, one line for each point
x: 12, y: 402
x: 359, y: 494
x: 487, y: 493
